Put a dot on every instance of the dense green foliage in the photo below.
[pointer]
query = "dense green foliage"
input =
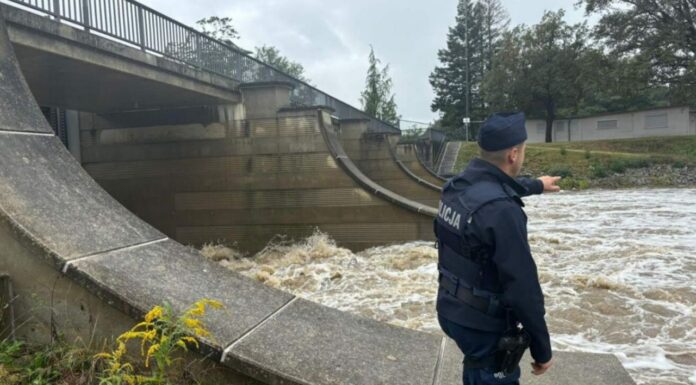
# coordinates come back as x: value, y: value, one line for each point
x: 377, y: 98
x: 471, y: 46
x: 661, y: 34
x: 641, y: 55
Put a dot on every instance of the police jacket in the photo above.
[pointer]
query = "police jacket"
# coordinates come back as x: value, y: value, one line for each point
x: 485, y: 264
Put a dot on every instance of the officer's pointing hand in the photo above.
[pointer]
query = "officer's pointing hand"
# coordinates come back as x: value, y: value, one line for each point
x: 539, y: 369
x: 550, y: 183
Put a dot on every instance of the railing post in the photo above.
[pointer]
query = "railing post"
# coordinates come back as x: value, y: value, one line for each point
x: 141, y: 27
x: 56, y: 9
x: 86, y: 20
x: 199, y: 57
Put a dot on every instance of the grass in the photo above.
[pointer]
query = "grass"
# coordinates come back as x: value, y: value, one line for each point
x: 56, y: 363
x: 581, y: 163
x: 675, y: 147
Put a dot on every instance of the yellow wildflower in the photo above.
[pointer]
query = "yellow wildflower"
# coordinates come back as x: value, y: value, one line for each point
x: 153, y: 314
x: 197, y: 310
x: 201, y: 332
x: 130, y: 335
x: 192, y: 323
x: 190, y: 340
x: 141, y: 324
x: 213, y: 303
x: 150, y: 352
x: 118, y: 353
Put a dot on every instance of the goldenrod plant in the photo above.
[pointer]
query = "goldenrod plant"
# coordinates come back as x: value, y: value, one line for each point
x: 161, y: 335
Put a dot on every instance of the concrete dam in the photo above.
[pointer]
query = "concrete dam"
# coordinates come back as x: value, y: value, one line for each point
x: 240, y: 172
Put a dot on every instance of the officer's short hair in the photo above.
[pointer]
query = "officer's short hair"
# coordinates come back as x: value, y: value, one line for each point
x: 497, y: 157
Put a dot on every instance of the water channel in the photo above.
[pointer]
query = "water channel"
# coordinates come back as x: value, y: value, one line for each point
x: 618, y: 269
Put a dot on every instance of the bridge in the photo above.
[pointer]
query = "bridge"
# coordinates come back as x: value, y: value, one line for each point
x: 68, y: 241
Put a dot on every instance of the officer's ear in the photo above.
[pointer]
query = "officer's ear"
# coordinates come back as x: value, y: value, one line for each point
x: 513, y: 154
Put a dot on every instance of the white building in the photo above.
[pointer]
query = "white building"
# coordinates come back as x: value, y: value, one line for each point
x: 655, y: 122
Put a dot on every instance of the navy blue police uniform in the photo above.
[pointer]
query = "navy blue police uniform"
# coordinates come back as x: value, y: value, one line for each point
x: 486, y: 271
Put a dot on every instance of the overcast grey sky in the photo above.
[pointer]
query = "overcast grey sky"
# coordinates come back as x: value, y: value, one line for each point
x: 332, y: 38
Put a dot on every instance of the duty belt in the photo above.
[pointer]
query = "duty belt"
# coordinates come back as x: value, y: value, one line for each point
x: 488, y: 305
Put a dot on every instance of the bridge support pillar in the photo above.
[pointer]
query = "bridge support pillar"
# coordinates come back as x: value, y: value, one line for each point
x: 72, y: 125
x: 264, y: 99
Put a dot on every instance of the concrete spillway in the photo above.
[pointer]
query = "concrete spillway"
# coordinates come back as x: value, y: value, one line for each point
x: 81, y: 264
x: 407, y: 154
x: 245, y: 182
x: 375, y: 156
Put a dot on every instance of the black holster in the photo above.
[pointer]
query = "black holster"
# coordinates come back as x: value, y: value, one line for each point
x: 511, y: 348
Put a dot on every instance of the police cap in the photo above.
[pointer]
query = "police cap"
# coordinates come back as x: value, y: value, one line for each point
x: 502, y: 130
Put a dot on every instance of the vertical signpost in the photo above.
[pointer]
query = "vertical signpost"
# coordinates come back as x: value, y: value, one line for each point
x: 466, y: 122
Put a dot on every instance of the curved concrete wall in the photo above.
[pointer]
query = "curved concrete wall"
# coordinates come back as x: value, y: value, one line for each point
x: 80, y: 262
x: 408, y: 155
x: 372, y: 153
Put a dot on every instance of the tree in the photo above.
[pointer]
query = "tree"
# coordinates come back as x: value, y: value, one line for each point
x: 502, y: 84
x: 212, y: 53
x: 471, y: 46
x: 219, y: 28
x: 271, y: 55
x: 661, y: 33
x: 542, y: 72
x: 377, y: 98
x: 615, y: 83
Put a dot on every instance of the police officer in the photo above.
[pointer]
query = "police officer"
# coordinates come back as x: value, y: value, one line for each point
x: 488, y: 280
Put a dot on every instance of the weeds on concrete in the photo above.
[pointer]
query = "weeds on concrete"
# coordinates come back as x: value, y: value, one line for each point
x: 161, y: 335
x: 160, y: 338
x: 56, y: 363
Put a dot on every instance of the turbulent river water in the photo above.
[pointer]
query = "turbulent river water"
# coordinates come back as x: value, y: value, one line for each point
x: 618, y: 269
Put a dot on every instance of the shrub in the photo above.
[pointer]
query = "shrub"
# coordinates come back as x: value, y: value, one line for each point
x: 598, y: 170
x: 561, y: 170
x: 564, y: 152
x: 574, y: 184
x: 678, y: 164
x: 617, y: 165
x: 588, y: 154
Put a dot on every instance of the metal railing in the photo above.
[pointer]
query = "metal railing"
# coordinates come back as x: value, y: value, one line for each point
x: 137, y: 24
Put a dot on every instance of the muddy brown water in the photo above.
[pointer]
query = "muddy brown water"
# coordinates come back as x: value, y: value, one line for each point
x: 618, y: 269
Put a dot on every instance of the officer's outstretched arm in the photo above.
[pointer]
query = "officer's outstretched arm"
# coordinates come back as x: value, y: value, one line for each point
x: 533, y: 186
x: 540, y: 185
x: 518, y: 276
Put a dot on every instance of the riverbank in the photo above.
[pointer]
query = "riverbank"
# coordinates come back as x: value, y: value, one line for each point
x: 621, y: 163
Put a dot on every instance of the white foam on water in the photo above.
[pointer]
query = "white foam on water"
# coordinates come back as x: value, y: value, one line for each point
x: 617, y: 268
